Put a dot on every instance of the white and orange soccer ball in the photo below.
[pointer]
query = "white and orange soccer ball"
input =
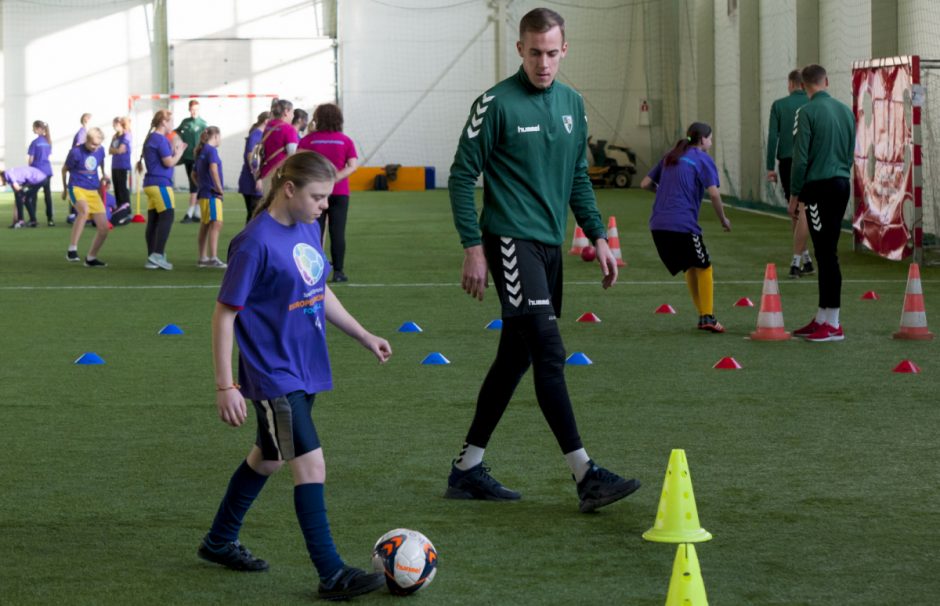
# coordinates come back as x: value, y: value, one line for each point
x: 407, y: 558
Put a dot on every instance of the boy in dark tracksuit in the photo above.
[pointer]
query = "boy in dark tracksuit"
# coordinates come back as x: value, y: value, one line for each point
x: 823, y: 153
x: 780, y: 154
x: 527, y: 135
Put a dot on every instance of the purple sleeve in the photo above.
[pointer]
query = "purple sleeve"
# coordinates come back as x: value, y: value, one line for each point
x: 657, y: 172
x: 709, y: 173
x: 71, y: 160
x: 239, y: 279
x: 99, y: 154
x: 164, y: 148
x: 32, y: 148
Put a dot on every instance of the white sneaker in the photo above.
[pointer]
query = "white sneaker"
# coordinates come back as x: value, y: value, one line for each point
x: 207, y: 262
x: 160, y: 261
x: 218, y: 263
x: 149, y: 265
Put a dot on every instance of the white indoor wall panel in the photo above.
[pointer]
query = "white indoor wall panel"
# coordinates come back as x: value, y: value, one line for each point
x: 727, y: 137
x: 844, y: 37
x: 201, y: 19
x: 919, y: 28
x: 777, y: 60
x: 60, y: 63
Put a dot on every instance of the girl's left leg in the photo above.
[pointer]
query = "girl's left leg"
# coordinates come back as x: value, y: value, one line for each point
x: 101, y: 234
x: 215, y: 228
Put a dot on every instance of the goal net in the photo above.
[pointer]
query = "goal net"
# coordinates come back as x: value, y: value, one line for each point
x: 896, y: 181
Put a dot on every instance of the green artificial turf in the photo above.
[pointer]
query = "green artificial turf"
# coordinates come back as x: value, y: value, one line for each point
x: 814, y: 466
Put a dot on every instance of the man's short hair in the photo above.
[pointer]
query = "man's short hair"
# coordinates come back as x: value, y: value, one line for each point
x: 814, y: 74
x: 795, y: 77
x: 193, y: 102
x: 540, y: 20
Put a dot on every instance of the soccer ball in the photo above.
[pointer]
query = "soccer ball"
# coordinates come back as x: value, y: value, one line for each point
x: 407, y: 558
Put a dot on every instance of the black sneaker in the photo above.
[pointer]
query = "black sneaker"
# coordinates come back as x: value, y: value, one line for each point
x: 32, y: 224
x: 348, y: 582
x: 339, y: 276
x: 94, y: 263
x: 50, y: 223
x: 477, y: 483
x: 232, y: 555
x: 186, y: 219
x: 72, y: 255
x: 711, y: 324
x: 808, y: 269
x: 601, y: 487
x: 795, y: 272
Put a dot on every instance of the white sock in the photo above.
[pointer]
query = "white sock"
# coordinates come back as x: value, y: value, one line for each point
x: 579, y: 462
x: 190, y: 211
x: 806, y: 257
x: 833, y: 317
x: 90, y: 258
x: 73, y: 248
x: 821, y: 316
x: 470, y: 456
x: 796, y: 261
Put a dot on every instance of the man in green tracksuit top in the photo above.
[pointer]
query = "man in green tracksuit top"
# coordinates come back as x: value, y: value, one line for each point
x: 823, y: 154
x: 527, y: 135
x: 780, y: 148
x: 190, y: 130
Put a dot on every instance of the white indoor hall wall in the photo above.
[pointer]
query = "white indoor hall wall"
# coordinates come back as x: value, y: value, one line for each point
x: 411, y: 69
x: 63, y: 60
x: 240, y: 47
x: 727, y: 138
x: 408, y: 75
x: 844, y: 37
x: 777, y: 60
x: 918, y: 27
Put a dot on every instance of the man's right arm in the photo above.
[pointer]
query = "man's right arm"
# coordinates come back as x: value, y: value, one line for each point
x: 773, y: 130
x: 476, y: 142
x: 801, y: 137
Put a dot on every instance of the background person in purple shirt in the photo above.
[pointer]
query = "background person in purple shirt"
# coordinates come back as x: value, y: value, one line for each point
x: 327, y: 138
x: 248, y: 186
x: 209, y: 187
x: 79, y: 137
x: 82, y: 167
x: 680, y: 181
x: 25, y: 181
x: 38, y: 156
x: 120, y: 152
x: 160, y: 158
x: 274, y: 302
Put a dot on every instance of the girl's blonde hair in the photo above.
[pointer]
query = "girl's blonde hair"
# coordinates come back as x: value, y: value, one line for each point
x: 158, y: 117
x: 300, y: 169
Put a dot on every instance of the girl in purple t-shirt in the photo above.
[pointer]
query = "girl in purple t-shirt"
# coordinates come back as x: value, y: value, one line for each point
x: 680, y: 181
x: 120, y: 152
x: 274, y: 302
x: 248, y: 186
x: 38, y: 156
x: 327, y: 138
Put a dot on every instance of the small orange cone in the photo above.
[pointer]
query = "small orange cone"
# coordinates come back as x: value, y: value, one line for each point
x: 744, y: 302
x: 727, y: 363
x: 870, y: 296
x: 579, y: 241
x: 589, y: 317
x: 665, y: 308
x: 770, y: 318
x: 907, y: 366
x: 913, y: 315
x: 613, y: 239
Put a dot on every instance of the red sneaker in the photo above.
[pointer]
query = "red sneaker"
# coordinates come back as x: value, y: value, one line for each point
x: 827, y: 333
x: 808, y: 329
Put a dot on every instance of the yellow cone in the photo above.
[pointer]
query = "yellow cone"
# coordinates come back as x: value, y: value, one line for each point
x: 677, y: 517
x: 686, y: 587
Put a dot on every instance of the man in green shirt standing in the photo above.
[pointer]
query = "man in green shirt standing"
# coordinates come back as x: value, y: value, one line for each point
x: 528, y: 137
x: 823, y: 154
x: 190, y: 129
x: 780, y: 148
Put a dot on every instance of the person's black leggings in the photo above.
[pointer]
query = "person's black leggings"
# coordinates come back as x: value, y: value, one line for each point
x: 158, y: 230
x: 337, y: 212
x: 119, y: 179
x: 251, y: 202
x: 826, y: 201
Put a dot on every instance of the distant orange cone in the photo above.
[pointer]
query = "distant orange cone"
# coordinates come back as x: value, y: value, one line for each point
x: 579, y: 241
x: 870, y: 296
x: 727, y: 363
x: 770, y: 318
x: 665, y: 308
x: 744, y: 302
x: 589, y: 317
x: 913, y: 315
x: 613, y: 239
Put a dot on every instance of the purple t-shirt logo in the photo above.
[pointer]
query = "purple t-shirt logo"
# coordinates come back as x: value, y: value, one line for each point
x: 309, y: 263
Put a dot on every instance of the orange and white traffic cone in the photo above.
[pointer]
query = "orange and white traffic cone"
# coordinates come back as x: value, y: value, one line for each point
x: 770, y: 317
x: 613, y: 239
x: 913, y: 315
x: 579, y: 241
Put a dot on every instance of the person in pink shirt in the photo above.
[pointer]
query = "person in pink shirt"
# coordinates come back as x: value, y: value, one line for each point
x: 279, y: 140
x: 327, y: 138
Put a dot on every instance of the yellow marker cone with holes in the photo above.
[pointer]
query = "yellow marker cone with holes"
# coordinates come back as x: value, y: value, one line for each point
x: 677, y: 517
x: 686, y: 587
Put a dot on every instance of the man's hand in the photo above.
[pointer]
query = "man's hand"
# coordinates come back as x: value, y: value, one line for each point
x: 607, y: 262
x: 794, y: 207
x: 474, y: 280
x: 772, y: 176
